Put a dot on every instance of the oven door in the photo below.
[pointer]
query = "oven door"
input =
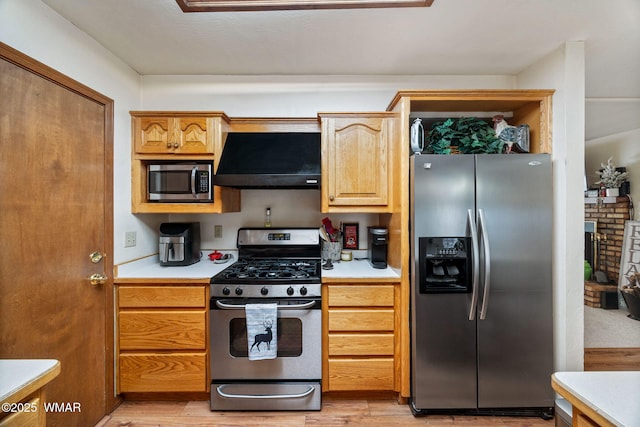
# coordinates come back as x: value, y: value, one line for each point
x: 299, y: 355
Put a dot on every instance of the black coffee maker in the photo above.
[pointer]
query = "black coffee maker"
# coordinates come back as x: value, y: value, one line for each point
x: 377, y: 242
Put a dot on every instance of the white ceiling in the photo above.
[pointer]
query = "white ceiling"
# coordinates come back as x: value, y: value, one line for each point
x: 467, y: 37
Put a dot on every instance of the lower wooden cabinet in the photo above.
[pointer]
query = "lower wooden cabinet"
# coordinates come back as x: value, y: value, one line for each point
x: 360, y: 337
x: 162, y: 338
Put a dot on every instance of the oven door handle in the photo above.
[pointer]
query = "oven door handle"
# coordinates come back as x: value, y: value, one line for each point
x: 305, y: 393
x: 304, y: 306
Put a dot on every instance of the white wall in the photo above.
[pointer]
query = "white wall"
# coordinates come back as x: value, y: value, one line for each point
x: 564, y: 71
x: 625, y: 150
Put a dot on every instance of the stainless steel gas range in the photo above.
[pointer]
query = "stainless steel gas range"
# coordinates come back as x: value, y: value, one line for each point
x: 278, y: 266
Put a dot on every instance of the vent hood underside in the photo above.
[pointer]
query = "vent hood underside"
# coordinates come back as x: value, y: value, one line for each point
x: 270, y: 160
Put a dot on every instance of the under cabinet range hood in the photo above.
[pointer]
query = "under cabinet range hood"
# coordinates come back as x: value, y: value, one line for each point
x: 270, y: 160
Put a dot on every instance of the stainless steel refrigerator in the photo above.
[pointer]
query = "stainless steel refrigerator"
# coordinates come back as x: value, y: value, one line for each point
x: 481, y: 290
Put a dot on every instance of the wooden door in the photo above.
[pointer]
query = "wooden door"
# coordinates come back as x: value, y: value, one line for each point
x: 56, y: 209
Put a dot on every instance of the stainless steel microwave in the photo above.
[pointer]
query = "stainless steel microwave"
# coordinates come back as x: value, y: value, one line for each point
x: 180, y: 182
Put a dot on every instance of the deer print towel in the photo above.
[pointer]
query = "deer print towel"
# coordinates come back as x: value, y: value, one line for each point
x: 262, y: 331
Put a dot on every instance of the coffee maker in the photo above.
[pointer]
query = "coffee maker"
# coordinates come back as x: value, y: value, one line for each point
x: 179, y: 243
x: 377, y: 243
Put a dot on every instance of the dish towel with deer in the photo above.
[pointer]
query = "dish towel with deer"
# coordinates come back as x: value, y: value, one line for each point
x: 262, y: 331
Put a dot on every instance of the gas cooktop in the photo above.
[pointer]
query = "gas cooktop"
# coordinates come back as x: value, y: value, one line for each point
x: 277, y: 263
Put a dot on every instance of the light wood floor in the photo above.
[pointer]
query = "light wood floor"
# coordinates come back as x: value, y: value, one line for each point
x: 335, y: 412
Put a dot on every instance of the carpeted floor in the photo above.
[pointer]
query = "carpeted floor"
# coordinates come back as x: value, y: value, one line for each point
x: 610, y: 328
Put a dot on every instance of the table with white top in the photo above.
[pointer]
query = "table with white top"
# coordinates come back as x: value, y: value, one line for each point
x: 21, y: 395
x: 601, y: 398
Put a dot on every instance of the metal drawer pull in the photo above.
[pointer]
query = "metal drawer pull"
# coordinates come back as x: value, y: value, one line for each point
x: 306, y: 393
x: 280, y: 307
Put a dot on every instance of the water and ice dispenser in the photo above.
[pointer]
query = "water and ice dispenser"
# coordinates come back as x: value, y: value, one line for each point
x: 445, y: 265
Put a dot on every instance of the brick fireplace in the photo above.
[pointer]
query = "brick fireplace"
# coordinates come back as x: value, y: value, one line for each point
x: 610, y: 214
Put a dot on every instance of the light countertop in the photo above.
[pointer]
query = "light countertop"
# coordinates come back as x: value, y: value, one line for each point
x: 21, y: 377
x: 359, y: 269
x: 606, y: 397
x: 149, y: 267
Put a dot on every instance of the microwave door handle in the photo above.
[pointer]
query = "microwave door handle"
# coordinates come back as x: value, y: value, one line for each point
x: 194, y: 172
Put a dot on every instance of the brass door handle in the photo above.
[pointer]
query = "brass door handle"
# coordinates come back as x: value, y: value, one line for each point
x: 98, y: 279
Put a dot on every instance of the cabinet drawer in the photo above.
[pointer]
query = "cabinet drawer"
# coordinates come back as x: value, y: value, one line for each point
x: 358, y: 374
x: 360, y: 296
x: 360, y: 344
x: 162, y: 330
x: 161, y: 296
x: 361, y: 320
x: 163, y: 372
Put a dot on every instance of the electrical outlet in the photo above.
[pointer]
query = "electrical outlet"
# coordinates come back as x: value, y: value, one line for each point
x: 217, y: 231
x: 129, y: 239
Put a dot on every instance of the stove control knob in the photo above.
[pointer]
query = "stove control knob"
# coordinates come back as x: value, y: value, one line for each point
x: 289, y: 290
x: 238, y: 291
x: 264, y: 290
x: 226, y: 291
x: 303, y: 291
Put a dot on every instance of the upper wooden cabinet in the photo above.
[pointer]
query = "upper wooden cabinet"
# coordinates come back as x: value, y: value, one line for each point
x: 178, y: 135
x: 174, y: 135
x: 519, y: 106
x: 357, y: 161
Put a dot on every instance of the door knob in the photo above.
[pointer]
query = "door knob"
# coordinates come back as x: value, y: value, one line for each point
x: 98, y: 279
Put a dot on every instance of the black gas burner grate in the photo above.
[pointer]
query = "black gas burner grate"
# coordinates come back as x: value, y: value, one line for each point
x: 271, y: 269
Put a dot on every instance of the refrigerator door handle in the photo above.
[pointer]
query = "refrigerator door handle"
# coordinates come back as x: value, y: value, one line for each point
x: 487, y: 263
x: 476, y: 264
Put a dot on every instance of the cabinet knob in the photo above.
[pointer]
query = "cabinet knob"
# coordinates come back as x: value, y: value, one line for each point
x: 332, y: 198
x: 175, y: 145
x: 168, y: 145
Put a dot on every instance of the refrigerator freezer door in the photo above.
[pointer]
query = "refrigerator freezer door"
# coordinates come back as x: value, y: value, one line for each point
x: 515, y: 340
x: 443, y: 338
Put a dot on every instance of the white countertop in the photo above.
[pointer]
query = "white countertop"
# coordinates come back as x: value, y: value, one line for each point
x: 613, y: 395
x: 19, y: 374
x: 150, y: 268
x: 359, y: 269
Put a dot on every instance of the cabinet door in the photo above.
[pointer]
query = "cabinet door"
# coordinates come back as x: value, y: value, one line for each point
x: 356, y: 161
x: 162, y: 330
x: 191, y: 136
x: 361, y: 374
x: 172, y: 135
x: 151, y: 135
x: 173, y: 372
